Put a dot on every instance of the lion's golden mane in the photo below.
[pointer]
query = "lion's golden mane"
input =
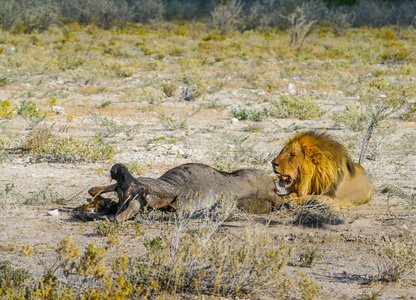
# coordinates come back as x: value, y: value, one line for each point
x: 322, y: 164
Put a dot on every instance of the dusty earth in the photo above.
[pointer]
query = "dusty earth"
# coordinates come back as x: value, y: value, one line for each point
x: 203, y: 131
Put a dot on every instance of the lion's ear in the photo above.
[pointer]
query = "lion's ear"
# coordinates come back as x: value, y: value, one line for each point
x: 312, y: 152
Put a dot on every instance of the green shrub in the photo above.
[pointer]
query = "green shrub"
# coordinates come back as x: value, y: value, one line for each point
x: 12, y: 281
x: 150, y: 95
x: 169, y: 89
x: 4, y: 80
x: 308, y: 257
x: 172, y: 123
x: 5, y: 192
x: 304, y: 108
x: 353, y: 117
x: 30, y: 113
x: 44, y: 144
x: 106, y: 228
x: 247, y: 114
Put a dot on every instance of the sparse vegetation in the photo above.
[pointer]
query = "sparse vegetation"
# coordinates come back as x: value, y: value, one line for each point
x: 304, y: 108
x: 172, y: 123
x: 43, y: 197
x: 6, y: 136
x: 308, y: 257
x: 43, y: 144
x: 12, y: 280
x: 30, y: 113
x: 161, y: 92
x: 190, y: 256
x: 395, y: 259
x: 107, y: 228
x: 247, y: 114
x: 353, y: 117
x: 109, y: 127
x: 300, y: 26
x: 226, y: 16
x: 6, y: 110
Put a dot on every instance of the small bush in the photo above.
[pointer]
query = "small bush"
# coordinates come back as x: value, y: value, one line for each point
x: 194, y: 85
x: 309, y: 256
x: 12, y: 281
x: 150, y: 95
x: 172, y: 123
x: 340, y: 19
x: 300, y: 26
x: 353, y: 117
x: 106, y: 228
x: 108, y: 127
x: 395, y: 259
x: 304, y: 108
x: 396, y: 191
x: 44, y: 196
x: 308, y: 288
x: 226, y: 16
x: 395, y: 52
x: 247, y: 114
x: 5, y: 192
x: 169, y: 89
x: 30, y: 113
x: 4, y: 80
x: 42, y: 143
x: 126, y: 71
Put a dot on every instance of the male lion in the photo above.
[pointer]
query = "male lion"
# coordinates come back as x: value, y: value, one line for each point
x: 313, y: 166
x: 189, y: 186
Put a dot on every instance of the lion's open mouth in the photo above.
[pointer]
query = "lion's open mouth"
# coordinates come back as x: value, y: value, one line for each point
x: 284, y: 180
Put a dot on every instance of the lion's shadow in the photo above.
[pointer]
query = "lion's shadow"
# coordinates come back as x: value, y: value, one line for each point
x: 316, y: 219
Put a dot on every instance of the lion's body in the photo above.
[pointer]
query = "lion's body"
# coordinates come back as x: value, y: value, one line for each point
x: 191, y: 187
x: 313, y: 166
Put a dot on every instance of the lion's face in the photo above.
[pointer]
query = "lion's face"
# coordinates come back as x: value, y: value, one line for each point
x: 287, y: 164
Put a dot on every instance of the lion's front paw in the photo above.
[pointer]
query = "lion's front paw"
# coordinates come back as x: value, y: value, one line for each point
x: 290, y: 201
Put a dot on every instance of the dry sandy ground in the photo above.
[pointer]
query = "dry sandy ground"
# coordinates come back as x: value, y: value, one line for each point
x: 208, y: 136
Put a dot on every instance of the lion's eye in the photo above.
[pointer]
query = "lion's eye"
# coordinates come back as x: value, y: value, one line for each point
x: 291, y: 155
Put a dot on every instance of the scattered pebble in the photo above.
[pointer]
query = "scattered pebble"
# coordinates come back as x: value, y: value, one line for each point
x: 54, y: 212
x: 404, y: 227
x: 58, y: 109
x: 291, y: 88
